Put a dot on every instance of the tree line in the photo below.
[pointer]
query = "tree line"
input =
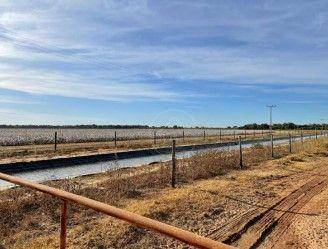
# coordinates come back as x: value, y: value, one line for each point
x: 91, y: 126
x: 284, y: 126
x: 254, y: 126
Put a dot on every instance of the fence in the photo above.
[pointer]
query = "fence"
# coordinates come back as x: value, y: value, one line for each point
x: 138, y: 220
x: 156, y: 139
x: 182, y: 136
x: 16, y: 137
x: 239, y: 160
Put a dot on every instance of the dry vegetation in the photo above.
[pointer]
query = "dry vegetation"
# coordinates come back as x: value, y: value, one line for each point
x: 31, y: 220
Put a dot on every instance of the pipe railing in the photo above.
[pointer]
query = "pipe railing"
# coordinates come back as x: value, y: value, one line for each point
x: 138, y: 220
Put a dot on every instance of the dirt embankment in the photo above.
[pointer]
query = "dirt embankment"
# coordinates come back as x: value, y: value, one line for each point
x: 279, y: 203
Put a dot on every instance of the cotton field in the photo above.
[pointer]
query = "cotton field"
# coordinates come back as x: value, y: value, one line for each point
x: 43, y: 136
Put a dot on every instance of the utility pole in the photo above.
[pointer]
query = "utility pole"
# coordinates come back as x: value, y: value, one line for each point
x: 270, y: 108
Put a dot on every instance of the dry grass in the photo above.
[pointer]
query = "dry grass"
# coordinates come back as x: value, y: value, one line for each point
x: 31, y: 219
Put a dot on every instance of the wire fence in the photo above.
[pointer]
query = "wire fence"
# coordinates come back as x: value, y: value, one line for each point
x: 240, y: 155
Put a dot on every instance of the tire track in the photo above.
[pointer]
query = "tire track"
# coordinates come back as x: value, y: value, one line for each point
x: 251, y: 229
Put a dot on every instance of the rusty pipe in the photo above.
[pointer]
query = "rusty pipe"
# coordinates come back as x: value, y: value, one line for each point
x: 139, y: 220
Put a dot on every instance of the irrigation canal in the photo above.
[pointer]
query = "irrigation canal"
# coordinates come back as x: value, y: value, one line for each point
x: 62, y: 168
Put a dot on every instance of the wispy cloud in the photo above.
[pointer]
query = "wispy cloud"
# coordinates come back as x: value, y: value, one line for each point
x: 264, y: 43
x: 152, y: 50
x: 14, y: 100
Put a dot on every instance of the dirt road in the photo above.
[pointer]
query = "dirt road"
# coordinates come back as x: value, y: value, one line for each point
x: 298, y: 219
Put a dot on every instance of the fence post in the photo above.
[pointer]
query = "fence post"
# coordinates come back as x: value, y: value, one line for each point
x: 290, y: 143
x: 316, y: 135
x: 245, y: 133
x: 272, y: 155
x: 173, y: 180
x: 115, y: 139
x: 183, y: 136
x: 155, y: 137
x: 204, y: 135
x: 240, y: 154
x: 302, y: 137
x: 55, y: 141
x: 220, y: 134
x: 63, y: 224
x: 254, y: 133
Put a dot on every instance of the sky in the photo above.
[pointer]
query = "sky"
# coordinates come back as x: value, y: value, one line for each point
x: 188, y: 62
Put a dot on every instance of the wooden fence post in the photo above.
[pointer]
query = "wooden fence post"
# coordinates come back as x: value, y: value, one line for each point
x: 55, y: 141
x: 63, y: 224
x: 302, y: 137
x: 220, y: 134
x: 245, y: 133
x: 173, y: 179
x: 155, y: 137
x: 115, y: 139
x: 234, y: 134
x: 272, y: 154
x: 290, y: 143
x: 204, y: 135
x: 240, y: 154
x: 183, y: 136
x: 316, y: 135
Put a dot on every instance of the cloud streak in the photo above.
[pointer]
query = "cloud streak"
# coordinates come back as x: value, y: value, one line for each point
x: 139, y: 50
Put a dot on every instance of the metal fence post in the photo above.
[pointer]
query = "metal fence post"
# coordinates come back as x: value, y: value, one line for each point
x: 290, y: 143
x: 63, y: 224
x: 240, y: 154
x: 173, y: 179
x: 115, y: 139
x: 204, y: 135
x: 55, y: 141
x: 272, y: 155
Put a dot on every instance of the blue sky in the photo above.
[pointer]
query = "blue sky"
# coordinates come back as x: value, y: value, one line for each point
x: 211, y: 63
